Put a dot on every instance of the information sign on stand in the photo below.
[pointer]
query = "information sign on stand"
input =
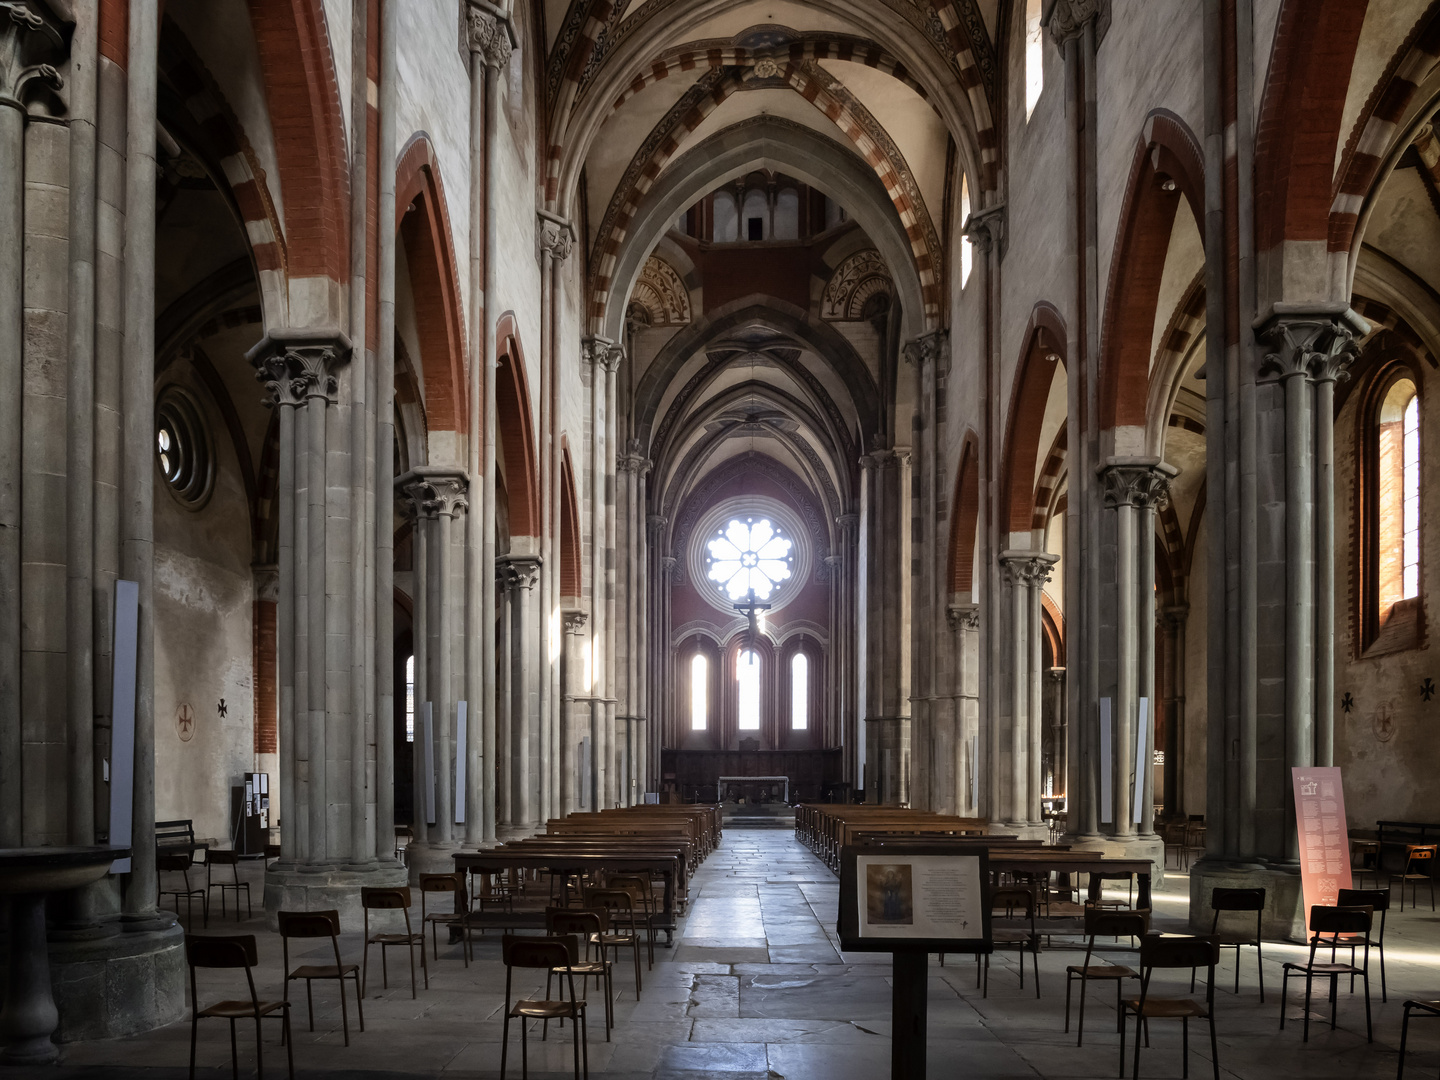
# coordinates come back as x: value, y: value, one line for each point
x: 911, y: 901
x: 1324, y: 839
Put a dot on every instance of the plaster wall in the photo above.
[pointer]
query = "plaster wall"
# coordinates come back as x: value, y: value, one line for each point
x: 1386, y: 743
x: 203, y: 640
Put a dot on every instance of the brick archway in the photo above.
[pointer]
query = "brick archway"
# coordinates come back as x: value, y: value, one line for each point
x: 1044, y: 352
x: 571, y: 564
x: 515, y: 429
x: 965, y: 512
x: 423, y: 221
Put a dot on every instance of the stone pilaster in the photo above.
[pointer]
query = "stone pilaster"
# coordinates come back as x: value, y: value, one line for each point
x: 573, y: 790
x: 884, y: 622
x: 521, y: 574
x: 963, y: 621
x: 1025, y: 572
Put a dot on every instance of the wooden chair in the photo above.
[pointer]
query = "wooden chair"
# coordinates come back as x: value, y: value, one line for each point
x: 1013, y: 900
x: 454, y: 885
x: 177, y: 863
x: 1367, y: 852
x: 1162, y: 952
x: 589, y: 925
x: 1424, y: 1008
x: 1127, y: 877
x: 1377, y: 900
x: 391, y: 899
x: 1223, y: 900
x: 640, y: 890
x: 1175, y: 836
x: 1332, y: 923
x: 620, y: 909
x: 547, y: 954
x: 235, y: 885
x: 319, y: 924
x: 1419, y: 866
x: 1101, y: 923
x: 237, y: 951
x: 403, y: 832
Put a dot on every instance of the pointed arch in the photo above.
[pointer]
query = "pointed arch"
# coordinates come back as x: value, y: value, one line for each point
x: 423, y: 221
x: 964, y: 516
x: 1167, y: 166
x: 516, y: 429
x: 1044, y: 352
x: 571, y: 564
x: 304, y: 102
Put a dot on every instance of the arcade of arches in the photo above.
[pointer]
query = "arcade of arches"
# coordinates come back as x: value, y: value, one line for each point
x: 508, y: 408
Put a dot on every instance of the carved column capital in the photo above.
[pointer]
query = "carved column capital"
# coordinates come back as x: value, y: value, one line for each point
x: 1136, y: 481
x: 267, y: 582
x: 488, y: 32
x: 574, y: 620
x: 518, y: 571
x: 932, y: 348
x: 985, y: 228
x: 656, y: 521
x: 963, y: 616
x: 435, y: 489
x: 1067, y: 18
x: 1318, y: 341
x: 847, y: 524
x: 638, y: 464
x: 297, y: 365
x: 602, y: 352
x: 1031, y: 568
x: 33, y: 39
x: 557, y: 235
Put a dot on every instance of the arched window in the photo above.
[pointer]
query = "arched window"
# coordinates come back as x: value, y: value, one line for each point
x: 799, y: 692
x: 1391, y: 497
x: 699, y: 692
x: 747, y: 675
x: 1399, y: 491
x: 755, y: 224
x: 1034, y: 56
x: 967, y: 250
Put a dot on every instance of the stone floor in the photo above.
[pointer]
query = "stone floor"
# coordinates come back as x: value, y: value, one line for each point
x: 755, y: 988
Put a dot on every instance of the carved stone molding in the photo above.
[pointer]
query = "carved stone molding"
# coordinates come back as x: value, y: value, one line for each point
x: 963, y: 616
x: 574, y: 620
x: 435, y: 489
x: 661, y: 292
x: 656, y: 521
x: 1140, y: 482
x: 488, y: 32
x: 931, y: 348
x: 518, y: 571
x: 885, y: 459
x: 854, y: 282
x: 297, y: 365
x: 32, y: 40
x: 557, y: 236
x: 1318, y: 342
x: 635, y: 463
x: 1032, y: 568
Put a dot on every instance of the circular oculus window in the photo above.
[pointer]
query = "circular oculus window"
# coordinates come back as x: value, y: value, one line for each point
x: 184, y: 451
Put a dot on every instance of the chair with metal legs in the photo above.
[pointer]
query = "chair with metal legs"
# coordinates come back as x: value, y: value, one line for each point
x: 1102, y: 923
x: 319, y: 924
x: 589, y: 925
x: 1162, y: 951
x: 1424, y: 1008
x: 234, y: 951
x: 391, y: 899
x: 1223, y: 900
x: 546, y: 954
x: 1328, y: 927
x: 1377, y: 900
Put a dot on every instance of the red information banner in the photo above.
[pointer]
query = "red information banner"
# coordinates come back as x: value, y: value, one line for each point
x: 1324, y: 840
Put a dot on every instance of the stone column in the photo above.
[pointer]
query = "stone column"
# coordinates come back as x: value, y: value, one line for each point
x: 1175, y: 618
x: 964, y: 623
x: 1310, y: 347
x: 1134, y: 488
x: 439, y: 493
x: 1026, y: 572
x: 633, y: 467
x: 1055, y: 692
x: 522, y: 573
x: 506, y: 795
x: 622, y: 786
x: 570, y: 796
x: 420, y: 650
x: 846, y: 665
x: 490, y: 36
x: 885, y: 557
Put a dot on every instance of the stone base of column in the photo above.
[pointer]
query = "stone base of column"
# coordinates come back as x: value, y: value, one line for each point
x: 119, y: 978
x: 1134, y: 847
x: 1284, y: 916
x: 1022, y: 829
x: 505, y: 833
x: 325, y: 888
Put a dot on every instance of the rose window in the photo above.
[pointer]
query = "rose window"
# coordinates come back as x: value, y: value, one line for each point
x: 749, y: 558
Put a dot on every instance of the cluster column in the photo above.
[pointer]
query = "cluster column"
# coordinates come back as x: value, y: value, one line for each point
x: 1134, y: 488
x: 439, y: 495
x: 574, y: 793
x: 1026, y: 572
x: 520, y: 575
x: 885, y: 622
x: 964, y: 623
x: 634, y: 468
